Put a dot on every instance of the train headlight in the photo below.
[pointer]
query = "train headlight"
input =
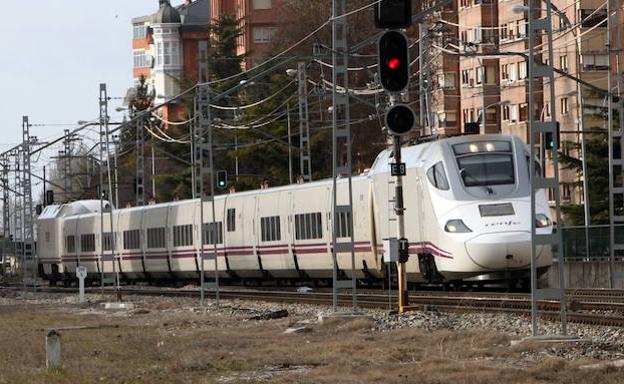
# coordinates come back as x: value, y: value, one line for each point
x: 542, y: 221
x: 456, y: 226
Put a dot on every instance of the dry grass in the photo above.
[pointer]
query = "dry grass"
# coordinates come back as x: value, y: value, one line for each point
x: 165, y: 346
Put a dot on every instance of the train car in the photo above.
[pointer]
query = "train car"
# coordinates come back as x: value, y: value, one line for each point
x: 467, y: 202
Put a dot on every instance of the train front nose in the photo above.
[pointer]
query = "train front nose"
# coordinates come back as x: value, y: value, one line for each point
x: 507, y: 250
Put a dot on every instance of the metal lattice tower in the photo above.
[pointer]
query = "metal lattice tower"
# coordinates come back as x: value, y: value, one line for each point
x: 341, y: 148
x: 616, y: 135
x: 204, y: 179
x: 4, y: 162
x: 140, y: 162
x: 540, y: 28
x: 67, y: 166
x: 28, y: 247
x: 304, y: 123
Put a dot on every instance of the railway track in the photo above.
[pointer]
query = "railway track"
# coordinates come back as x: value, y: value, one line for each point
x: 599, y: 307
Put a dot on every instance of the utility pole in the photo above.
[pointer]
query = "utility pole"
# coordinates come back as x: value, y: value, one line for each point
x: 290, y: 169
x: 67, y: 166
x: 341, y: 152
x: 153, y: 171
x: 28, y: 246
x: 106, y: 206
x: 116, y: 154
x: 204, y: 182
x: 616, y: 135
x: 140, y: 162
x: 304, y: 123
x: 542, y: 27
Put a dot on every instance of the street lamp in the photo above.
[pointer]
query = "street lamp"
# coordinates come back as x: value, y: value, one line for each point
x: 485, y: 107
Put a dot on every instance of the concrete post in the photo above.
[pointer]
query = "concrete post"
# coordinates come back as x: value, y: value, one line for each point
x: 53, y: 350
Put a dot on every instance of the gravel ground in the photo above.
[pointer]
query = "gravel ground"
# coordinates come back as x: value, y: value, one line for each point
x: 598, y: 342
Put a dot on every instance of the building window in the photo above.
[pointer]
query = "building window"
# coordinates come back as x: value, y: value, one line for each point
x: 156, y: 237
x: 140, y: 59
x: 512, y: 72
x: 595, y: 62
x: 263, y: 34
x: 261, y: 4
x: 139, y: 31
x: 524, y: 112
x: 521, y: 28
x: 491, y: 115
x: 547, y: 109
x: 212, y: 233
x: 565, y: 107
x: 231, y: 220
x: 505, y: 72
x: 132, y: 239
x: 464, y: 36
x: 466, y: 80
x: 490, y: 75
x: 308, y: 226
x: 270, y: 228
x: 87, y: 243
x: 183, y: 235
x: 563, y: 62
x: 598, y: 16
x: 468, y: 115
x: 490, y: 36
x: 168, y: 53
x: 505, y: 109
x: 513, y: 113
x: 446, y: 80
x: 70, y: 244
x: 503, y: 32
x: 479, y: 75
x: 522, y: 70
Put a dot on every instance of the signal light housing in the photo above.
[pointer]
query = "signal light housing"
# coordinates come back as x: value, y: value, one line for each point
x: 400, y: 119
x: 549, y: 139
x: 393, y: 55
x: 393, y: 14
x: 221, y: 179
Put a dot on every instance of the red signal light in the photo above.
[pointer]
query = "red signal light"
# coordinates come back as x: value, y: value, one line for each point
x: 394, y: 63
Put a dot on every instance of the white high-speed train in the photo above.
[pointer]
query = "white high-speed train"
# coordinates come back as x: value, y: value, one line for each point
x: 467, y: 216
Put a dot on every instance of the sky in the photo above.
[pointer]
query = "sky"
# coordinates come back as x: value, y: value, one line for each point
x: 56, y: 53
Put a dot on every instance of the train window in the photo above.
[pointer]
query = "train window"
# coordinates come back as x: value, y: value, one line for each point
x: 156, y: 237
x: 107, y: 243
x: 182, y: 235
x: 70, y: 244
x: 343, y: 224
x: 437, y: 176
x: 308, y: 226
x: 132, y: 239
x: 231, y: 220
x: 486, y: 169
x: 270, y: 228
x: 212, y: 236
x: 87, y: 243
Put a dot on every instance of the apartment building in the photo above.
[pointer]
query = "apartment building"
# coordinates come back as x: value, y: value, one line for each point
x: 259, y: 21
x: 165, y: 46
x: 482, y: 42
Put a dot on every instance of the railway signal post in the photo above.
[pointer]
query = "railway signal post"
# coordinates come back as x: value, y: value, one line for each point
x: 393, y: 57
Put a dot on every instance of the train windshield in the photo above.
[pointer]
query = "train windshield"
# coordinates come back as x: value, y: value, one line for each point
x: 485, y: 163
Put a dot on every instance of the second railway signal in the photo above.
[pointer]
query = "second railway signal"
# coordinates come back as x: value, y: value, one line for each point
x: 393, y: 58
x: 400, y: 119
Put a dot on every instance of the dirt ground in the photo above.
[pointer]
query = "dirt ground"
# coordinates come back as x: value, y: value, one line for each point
x: 174, y: 342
